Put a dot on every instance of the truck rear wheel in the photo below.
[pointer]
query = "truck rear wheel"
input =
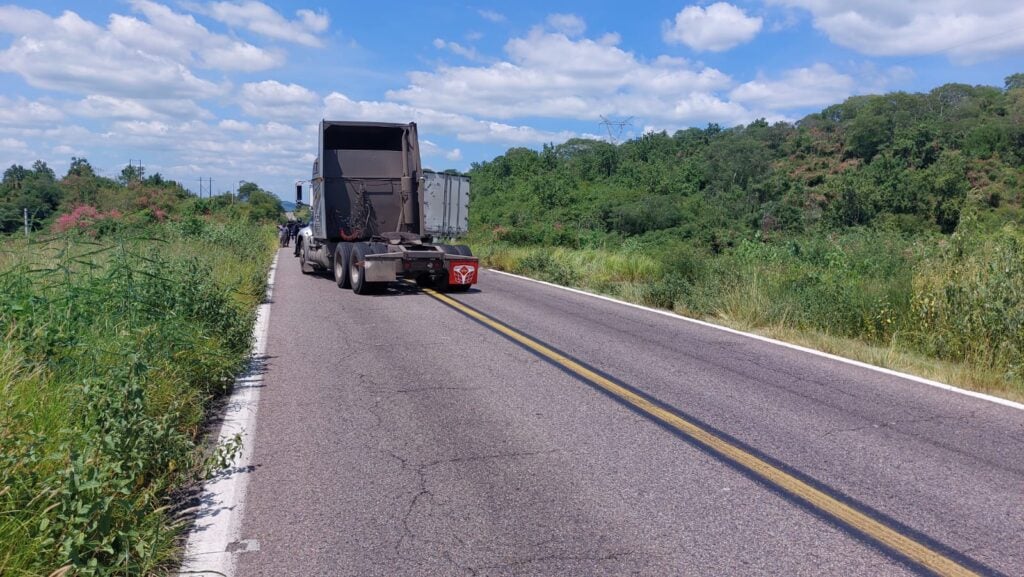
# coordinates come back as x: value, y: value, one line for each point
x: 357, y: 278
x: 342, y: 256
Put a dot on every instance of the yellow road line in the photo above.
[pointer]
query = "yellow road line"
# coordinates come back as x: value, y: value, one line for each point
x: 883, y: 534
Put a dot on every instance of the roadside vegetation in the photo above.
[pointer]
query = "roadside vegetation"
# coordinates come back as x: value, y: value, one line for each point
x: 887, y: 228
x: 123, y: 319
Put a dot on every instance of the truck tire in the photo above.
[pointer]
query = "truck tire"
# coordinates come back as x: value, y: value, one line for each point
x: 342, y: 256
x: 357, y: 279
x: 304, y: 265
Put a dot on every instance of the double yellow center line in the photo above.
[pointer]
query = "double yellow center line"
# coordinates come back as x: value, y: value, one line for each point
x: 886, y: 536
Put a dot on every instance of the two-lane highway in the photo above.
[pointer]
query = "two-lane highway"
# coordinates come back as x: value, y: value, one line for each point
x: 543, y: 432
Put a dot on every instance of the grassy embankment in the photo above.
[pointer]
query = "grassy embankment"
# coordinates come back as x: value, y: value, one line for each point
x: 951, y: 310
x: 113, y: 350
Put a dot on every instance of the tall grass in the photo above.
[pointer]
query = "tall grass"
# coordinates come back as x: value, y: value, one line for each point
x: 949, y: 307
x: 112, y: 351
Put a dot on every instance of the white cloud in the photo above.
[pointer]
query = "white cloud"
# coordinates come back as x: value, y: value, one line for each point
x: 12, y: 144
x: 454, y: 155
x: 716, y: 28
x: 75, y: 55
x: 234, y: 125
x: 491, y: 15
x: 468, y: 53
x: 20, y: 21
x: 274, y: 100
x: 569, y: 24
x: 464, y: 127
x: 241, y: 56
x: 264, y: 20
x: 964, y: 30
x: 551, y: 75
x: 65, y: 150
x: 818, y: 85
x: 129, y: 59
x: 22, y: 112
x: 177, y: 36
x: 101, y: 106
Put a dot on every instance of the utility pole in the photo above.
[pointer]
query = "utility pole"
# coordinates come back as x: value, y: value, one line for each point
x: 25, y: 213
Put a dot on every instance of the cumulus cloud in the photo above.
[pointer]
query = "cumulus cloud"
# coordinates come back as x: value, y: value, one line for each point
x: 548, y: 74
x: 72, y: 54
x: 568, y: 24
x: 274, y: 100
x: 23, y: 112
x: 262, y: 19
x: 12, y: 144
x: 468, y: 53
x: 102, y: 106
x: 491, y: 15
x: 716, y: 28
x: 817, y: 85
x: 964, y: 30
x: 130, y: 58
x: 464, y: 127
x: 20, y: 21
x: 178, y: 36
x: 234, y: 125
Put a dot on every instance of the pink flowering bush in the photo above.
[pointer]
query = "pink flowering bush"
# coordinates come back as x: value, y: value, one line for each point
x: 87, y: 219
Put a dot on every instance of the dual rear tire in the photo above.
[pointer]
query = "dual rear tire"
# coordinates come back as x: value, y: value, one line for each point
x: 342, y: 258
x: 357, y: 269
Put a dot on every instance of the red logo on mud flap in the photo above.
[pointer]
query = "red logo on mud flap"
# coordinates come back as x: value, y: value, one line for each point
x: 462, y: 272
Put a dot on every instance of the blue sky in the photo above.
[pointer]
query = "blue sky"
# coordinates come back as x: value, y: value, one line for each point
x: 233, y: 90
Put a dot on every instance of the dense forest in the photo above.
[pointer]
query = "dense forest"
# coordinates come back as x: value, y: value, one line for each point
x: 893, y: 219
x: 911, y: 161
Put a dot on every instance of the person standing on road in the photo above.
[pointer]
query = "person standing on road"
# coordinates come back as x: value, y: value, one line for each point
x: 298, y: 238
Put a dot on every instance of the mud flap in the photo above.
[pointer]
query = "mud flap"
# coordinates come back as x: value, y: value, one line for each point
x: 379, y: 270
x: 462, y: 272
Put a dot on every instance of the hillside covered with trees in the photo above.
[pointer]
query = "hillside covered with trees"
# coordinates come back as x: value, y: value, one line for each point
x: 891, y: 219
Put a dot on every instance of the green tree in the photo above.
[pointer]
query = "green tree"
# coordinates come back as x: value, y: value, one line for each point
x: 131, y: 173
x: 246, y: 189
x: 80, y: 167
x: 1014, y: 81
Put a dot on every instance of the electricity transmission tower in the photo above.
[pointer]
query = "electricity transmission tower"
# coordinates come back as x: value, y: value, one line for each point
x: 616, y: 126
x: 209, y: 187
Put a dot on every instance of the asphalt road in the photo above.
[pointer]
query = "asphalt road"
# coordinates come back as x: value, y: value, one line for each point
x: 397, y: 436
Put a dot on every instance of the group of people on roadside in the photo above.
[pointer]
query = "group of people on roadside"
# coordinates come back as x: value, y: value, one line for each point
x: 287, y: 232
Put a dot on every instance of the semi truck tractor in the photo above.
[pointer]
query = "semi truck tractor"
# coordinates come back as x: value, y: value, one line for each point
x: 368, y: 224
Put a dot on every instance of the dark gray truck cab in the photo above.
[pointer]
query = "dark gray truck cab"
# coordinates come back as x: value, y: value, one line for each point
x: 368, y: 216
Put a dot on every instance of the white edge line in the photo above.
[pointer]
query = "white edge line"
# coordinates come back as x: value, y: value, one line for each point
x: 219, y: 518
x: 922, y: 380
